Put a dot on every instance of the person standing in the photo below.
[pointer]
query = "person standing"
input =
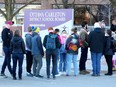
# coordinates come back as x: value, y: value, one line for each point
x: 6, y: 38
x: 37, y: 52
x: 108, y: 51
x: 51, y: 43
x: 62, y: 63
x: 56, y: 32
x: 29, y: 57
x: 84, y: 49
x: 96, y: 43
x: 18, y: 51
x: 72, y: 45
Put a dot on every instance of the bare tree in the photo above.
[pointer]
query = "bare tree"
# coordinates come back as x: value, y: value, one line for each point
x: 113, y: 2
x: 65, y: 4
x: 97, y: 12
x: 10, y: 8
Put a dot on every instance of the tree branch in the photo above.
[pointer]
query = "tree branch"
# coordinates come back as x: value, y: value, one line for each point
x: 73, y: 4
x: 23, y: 7
x: 2, y: 12
x: 57, y: 4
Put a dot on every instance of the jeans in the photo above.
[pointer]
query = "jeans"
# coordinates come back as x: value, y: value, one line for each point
x: 96, y: 63
x: 62, y: 63
x: 51, y: 54
x: 7, y: 60
x: 29, y: 61
x: 57, y: 58
x: 37, y: 64
x: 17, y: 57
x: 83, y: 59
x: 70, y: 58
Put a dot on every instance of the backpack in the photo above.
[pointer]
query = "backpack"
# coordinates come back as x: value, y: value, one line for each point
x: 73, y: 43
x: 51, y: 43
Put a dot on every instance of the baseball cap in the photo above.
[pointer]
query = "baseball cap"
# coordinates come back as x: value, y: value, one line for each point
x: 9, y: 22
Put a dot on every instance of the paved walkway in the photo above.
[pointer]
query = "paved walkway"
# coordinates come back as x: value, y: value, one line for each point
x: 62, y: 81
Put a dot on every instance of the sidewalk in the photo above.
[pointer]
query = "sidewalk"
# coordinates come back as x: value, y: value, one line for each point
x: 61, y: 81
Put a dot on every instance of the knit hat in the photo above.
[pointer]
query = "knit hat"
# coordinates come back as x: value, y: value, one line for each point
x: 9, y: 22
x: 50, y: 29
x: 35, y: 29
x: 97, y: 25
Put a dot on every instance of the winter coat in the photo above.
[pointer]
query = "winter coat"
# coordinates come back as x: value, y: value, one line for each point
x: 108, y: 46
x: 6, y: 37
x: 84, y: 37
x: 28, y: 39
x: 17, y: 45
x: 37, y: 48
x: 96, y: 40
x: 63, y: 42
x: 113, y: 27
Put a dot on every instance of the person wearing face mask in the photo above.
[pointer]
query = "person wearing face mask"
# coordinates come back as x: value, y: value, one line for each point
x: 62, y: 63
x: 84, y: 49
x: 6, y: 38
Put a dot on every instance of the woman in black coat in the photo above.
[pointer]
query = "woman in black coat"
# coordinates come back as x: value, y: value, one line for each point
x: 18, y: 51
x: 108, y: 51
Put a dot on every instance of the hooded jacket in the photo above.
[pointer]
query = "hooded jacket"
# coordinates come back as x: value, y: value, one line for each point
x: 37, y: 48
x: 28, y: 39
x: 17, y: 45
x: 96, y: 40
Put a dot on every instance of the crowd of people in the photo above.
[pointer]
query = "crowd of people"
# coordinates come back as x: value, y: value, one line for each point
x: 61, y: 48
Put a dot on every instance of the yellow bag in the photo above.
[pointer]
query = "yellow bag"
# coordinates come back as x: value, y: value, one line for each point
x: 72, y: 47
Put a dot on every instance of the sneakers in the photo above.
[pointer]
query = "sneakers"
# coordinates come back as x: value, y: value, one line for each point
x: 2, y: 74
x: 83, y: 72
x: 54, y: 77
x: 95, y: 75
x: 14, y: 78
x: 29, y: 74
x: 67, y: 74
x: 20, y: 78
x: 39, y: 76
x: 59, y: 74
x: 48, y: 77
x: 108, y: 74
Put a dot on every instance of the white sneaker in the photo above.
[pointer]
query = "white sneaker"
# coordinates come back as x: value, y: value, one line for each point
x: 64, y: 73
x: 58, y: 74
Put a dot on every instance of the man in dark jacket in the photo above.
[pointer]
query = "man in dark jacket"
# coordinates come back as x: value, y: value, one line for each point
x: 51, y: 52
x: 96, y: 43
x: 6, y: 38
x: 37, y: 52
x: 29, y: 57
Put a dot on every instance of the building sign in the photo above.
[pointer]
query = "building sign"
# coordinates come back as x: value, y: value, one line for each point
x: 56, y: 18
